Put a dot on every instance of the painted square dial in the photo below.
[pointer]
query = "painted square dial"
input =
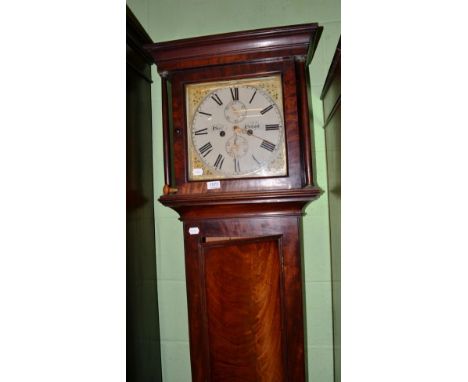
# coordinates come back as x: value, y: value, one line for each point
x: 236, y: 129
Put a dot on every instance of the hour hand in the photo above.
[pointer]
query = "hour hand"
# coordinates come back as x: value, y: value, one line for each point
x: 243, y: 130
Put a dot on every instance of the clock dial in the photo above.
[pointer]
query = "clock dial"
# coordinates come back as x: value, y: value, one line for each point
x: 237, y: 130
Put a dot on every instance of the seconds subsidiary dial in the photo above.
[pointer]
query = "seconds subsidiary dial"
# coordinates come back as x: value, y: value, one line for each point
x: 237, y: 130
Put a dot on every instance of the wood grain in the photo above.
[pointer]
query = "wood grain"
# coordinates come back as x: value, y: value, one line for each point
x: 243, y: 309
x: 236, y: 263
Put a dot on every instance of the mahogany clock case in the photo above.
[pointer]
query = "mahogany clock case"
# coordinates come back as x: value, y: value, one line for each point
x: 242, y: 241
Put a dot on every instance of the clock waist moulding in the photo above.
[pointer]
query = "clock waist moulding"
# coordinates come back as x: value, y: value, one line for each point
x: 238, y: 170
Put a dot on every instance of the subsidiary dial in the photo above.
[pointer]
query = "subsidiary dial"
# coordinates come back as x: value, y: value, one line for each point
x: 237, y: 146
x: 235, y: 111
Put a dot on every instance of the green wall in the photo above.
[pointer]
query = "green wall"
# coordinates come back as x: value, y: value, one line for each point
x: 174, y: 19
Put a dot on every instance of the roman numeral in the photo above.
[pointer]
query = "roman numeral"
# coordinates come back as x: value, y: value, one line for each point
x: 268, y: 108
x: 267, y: 146
x: 206, y: 149
x: 236, y: 165
x: 271, y: 127
x: 216, y: 98
x: 202, y: 112
x: 255, y: 92
x: 219, y: 162
x: 201, y: 131
x: 235, y: 94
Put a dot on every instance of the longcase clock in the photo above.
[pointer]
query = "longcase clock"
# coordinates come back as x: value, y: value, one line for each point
x: 238, y: 170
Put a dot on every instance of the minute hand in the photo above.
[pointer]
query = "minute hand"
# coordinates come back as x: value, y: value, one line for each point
x: 243, y: 130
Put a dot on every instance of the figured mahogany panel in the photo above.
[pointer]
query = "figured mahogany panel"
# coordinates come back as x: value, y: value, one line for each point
x: 243, y: 293
x: 232, y: 272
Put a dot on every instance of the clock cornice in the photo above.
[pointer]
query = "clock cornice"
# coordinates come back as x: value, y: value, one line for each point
x: 294, y: 41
